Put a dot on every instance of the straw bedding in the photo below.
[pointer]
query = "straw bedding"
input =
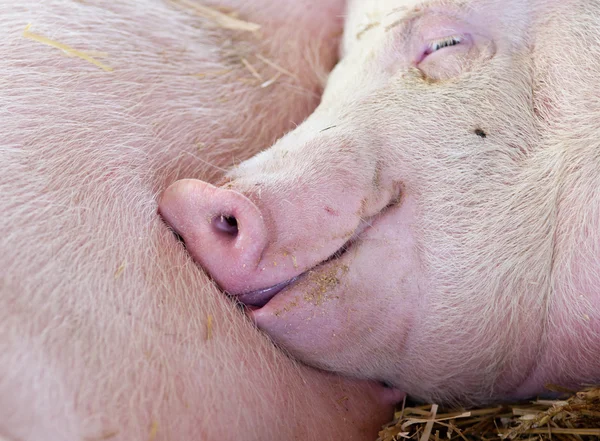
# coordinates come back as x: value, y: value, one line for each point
x: 576, y: 417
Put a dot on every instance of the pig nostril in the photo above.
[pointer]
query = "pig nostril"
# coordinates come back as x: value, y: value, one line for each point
x: 226, y: 224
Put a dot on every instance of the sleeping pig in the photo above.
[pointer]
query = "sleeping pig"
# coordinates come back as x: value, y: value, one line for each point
x: 435, y: 223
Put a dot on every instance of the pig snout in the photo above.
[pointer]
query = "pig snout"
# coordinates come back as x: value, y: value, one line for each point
x: 223, y: 230
x: 256, y: 243
x: 226, y: 233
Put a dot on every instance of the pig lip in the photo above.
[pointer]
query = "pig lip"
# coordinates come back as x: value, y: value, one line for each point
x: 261, y: 297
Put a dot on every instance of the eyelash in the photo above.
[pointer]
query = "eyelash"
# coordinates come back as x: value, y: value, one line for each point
x: 436, y: 45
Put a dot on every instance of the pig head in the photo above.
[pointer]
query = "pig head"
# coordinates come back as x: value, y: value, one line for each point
x: 434, y: 223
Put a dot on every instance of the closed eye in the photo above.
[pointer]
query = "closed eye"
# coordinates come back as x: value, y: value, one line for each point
x: 441, y: 43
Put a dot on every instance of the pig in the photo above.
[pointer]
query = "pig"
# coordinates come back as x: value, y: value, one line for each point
x: 108, y: 330
x: 435, y: 223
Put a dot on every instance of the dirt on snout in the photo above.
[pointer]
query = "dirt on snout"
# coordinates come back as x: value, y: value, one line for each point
x: 576, y: 418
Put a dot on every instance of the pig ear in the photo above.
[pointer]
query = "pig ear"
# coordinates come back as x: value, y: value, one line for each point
x: 446, y: 46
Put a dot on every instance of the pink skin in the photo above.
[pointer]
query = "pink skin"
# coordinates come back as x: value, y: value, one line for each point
x: 416, y: 230
x: 108, y: 330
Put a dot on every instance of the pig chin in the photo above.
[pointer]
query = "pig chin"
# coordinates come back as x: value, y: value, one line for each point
x: 310, y: 308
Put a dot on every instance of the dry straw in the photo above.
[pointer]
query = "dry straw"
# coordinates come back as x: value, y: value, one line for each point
x: 219, y: 18
x: 573, y: 419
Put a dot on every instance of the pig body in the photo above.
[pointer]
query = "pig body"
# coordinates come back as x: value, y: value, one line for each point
x: 435, y: 223
x: 107, y: 329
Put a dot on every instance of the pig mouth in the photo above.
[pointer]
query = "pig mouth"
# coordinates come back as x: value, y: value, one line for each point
x: 257, y: 299
x: 260, y: 297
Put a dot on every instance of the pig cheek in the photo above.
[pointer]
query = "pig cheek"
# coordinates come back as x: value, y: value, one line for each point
x: 387, y: 286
